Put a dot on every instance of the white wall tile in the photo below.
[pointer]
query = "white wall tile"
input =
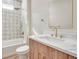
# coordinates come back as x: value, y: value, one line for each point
x: 11, y: 25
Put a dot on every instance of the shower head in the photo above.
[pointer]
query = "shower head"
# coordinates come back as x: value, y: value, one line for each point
x: 18, y: 0
x: 17, y: 8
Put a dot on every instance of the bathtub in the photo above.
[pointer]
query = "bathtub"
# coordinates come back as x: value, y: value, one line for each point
x: 9, y: 46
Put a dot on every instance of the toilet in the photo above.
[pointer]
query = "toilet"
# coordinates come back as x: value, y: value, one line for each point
x: 22, y: 52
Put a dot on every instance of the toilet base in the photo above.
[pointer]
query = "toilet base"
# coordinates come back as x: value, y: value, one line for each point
x: 23, y: 56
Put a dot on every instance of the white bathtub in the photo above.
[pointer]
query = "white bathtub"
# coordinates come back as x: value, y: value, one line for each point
x: 9, y: 46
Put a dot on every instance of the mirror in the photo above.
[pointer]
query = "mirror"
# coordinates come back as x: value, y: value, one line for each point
x: 61, y: 13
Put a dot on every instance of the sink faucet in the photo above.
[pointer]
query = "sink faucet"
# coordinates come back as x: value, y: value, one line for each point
x: 56, y: 29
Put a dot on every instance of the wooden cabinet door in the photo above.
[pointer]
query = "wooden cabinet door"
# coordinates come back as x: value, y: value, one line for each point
x: 61, y: 55
x: 38, y: 51
x: 43, y: 51
x: 51, y: 53
x: 31, y: 49
x: 55, y: 54
x: 71, y: 57
x: 33, y: 54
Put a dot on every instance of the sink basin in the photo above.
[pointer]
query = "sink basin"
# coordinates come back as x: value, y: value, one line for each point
x: 51, y: 39
x: 65, y: 42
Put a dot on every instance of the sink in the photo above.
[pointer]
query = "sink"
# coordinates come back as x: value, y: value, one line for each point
x: 51, y: 39
x: 65, y: 42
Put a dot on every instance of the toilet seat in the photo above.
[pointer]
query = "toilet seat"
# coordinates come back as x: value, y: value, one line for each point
x: 22, y: 49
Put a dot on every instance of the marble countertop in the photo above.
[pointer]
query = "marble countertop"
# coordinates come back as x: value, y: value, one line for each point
x: 66, y: 45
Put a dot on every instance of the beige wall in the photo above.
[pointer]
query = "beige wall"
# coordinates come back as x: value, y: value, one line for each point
x: 75, y: 15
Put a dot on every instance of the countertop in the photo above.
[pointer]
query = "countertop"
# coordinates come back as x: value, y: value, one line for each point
x: 66, y: 45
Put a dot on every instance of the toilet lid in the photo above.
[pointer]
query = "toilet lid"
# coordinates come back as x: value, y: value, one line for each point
x: 22, y: 49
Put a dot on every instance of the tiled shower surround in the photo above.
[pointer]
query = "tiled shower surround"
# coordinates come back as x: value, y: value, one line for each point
x: 11, y: 25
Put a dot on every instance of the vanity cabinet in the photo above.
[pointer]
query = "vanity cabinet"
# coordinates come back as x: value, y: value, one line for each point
x: 40, y: 51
